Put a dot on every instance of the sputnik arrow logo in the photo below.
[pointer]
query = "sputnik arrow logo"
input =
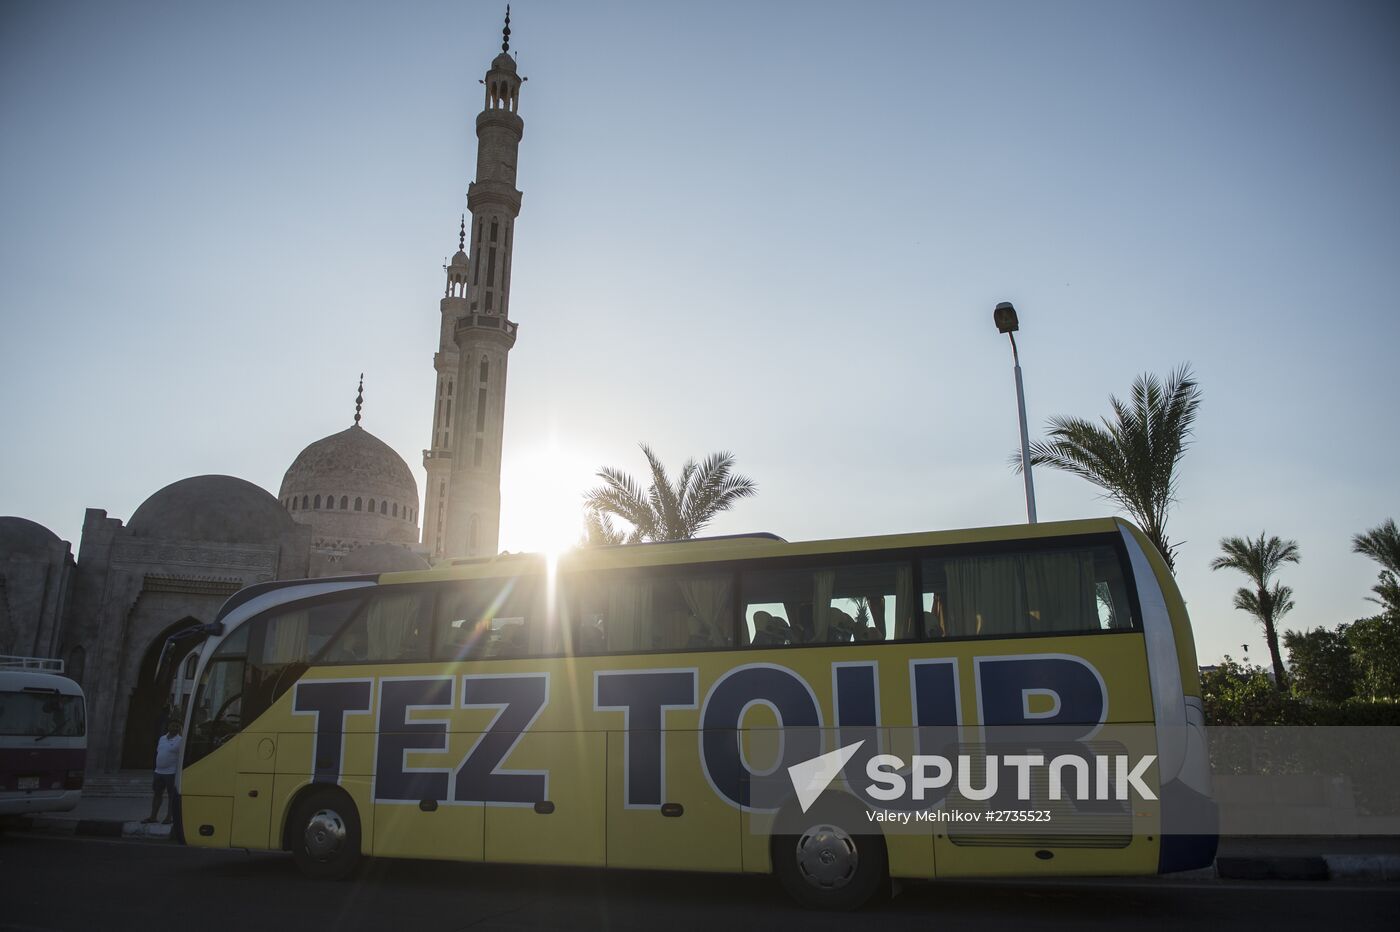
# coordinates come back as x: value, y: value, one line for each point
x: 811, y: 777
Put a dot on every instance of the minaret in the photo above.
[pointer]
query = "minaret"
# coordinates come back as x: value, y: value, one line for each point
x: 437, y: 459
x: 484, y: 333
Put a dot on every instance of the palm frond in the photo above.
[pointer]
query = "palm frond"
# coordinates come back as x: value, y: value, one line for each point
x: 1133, y: 454
x: 1281, y: 602
x: 1258, y: 559
x: 716, y: 489
x: 662, y: 496
x: 599, y: 530
x: 1382, y: 544
x: 1246, y: 600
x: 667, y: 510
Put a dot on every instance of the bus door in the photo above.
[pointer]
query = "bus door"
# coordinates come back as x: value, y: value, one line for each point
x: 652, y: 628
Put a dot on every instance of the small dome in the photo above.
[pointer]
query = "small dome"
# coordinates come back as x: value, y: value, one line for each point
x: 460, y: 259
x: 503, y: 62
x: 20, y: 535
x: 380, y: 558
x: 214, y: 508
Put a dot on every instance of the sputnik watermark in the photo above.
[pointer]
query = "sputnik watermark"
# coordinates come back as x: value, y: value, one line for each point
x: 1098, y: 777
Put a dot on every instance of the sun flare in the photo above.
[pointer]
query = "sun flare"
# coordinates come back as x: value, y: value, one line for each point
x: 542, y: 499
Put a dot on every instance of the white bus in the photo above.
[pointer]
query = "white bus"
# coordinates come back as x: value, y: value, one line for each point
x: 43, y: 737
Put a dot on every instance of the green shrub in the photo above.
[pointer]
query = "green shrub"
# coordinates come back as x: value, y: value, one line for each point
x: 1375, y: 656
x: 1321, y: 664
x: 1243, y: 694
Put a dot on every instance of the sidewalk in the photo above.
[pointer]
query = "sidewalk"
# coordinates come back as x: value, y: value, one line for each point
x: 111, y: 806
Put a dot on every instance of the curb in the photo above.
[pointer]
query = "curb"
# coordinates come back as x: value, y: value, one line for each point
x: 1279, y: 868
x: 1370, y: 867
x: 93, y: 828
x: 1363, y: 867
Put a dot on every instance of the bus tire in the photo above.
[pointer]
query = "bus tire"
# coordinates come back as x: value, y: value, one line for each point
x: 325, y: 835
x: 836, y: 863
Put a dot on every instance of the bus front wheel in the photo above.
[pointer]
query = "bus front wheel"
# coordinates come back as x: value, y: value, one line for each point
x: 828, y: 867
x: 325, y: 837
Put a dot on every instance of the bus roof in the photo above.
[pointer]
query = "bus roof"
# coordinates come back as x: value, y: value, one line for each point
x: 741, y: 547
x: 12, y: 680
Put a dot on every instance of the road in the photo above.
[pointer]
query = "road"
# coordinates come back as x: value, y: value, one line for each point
x: 69, y: 884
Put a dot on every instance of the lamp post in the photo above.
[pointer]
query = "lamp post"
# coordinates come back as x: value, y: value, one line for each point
x: 1007, y: 323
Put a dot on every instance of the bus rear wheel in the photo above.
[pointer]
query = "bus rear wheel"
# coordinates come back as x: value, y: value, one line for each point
x: 829, y: 867
x: 325, y: 836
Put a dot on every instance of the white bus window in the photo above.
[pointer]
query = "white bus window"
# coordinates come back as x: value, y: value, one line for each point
x: 41, y: 715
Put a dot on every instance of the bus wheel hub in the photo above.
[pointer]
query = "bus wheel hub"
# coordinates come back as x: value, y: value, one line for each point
x: 325, y: 834
x: 827, y: 857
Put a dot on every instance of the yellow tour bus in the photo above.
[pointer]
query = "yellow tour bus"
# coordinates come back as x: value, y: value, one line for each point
x: 661, y: 705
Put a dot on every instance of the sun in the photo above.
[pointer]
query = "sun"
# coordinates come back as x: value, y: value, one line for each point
x: 542, y: 498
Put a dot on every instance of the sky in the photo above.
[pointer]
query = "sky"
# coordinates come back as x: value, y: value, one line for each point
x: 773, y: 228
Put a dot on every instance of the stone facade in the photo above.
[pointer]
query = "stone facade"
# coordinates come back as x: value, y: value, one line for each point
x: 184, y: 551
x: 36, y: 581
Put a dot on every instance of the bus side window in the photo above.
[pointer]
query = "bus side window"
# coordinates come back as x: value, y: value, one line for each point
x: 1110, y: 591
x: 392, y: 628
x: 633, y: 612
x: 490, y: 618
x: 850, y: 604
x: 1049, y: 591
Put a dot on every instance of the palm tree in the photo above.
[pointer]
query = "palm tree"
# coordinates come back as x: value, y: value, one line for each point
x: 1134, y: 456
x: 1259, y: 560
x: 1382, y: 544
x: 665, y: 510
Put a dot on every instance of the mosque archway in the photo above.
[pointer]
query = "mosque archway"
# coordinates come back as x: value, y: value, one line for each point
x: 145, y: 714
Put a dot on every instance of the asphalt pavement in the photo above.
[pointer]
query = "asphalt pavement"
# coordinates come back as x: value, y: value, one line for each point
x: 54, y: 883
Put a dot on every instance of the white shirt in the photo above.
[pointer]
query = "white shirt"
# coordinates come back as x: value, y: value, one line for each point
x: 168, y: 753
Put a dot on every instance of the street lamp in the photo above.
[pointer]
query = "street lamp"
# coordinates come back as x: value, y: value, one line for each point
x: 1007, y: 323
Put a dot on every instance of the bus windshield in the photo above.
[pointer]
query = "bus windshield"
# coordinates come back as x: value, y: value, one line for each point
x: 41, y: 715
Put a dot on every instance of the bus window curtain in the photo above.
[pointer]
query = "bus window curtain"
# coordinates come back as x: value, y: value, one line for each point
x: 286, y: 642
x: 629, y: 614
x: 985, y: 597
x: 904, y: 602
x: 708, y: 600
x: 824, y: 583
x: 389, y: 621
x: 1060, y: 591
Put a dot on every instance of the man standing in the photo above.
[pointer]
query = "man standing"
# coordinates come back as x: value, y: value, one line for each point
x: 167, y: 762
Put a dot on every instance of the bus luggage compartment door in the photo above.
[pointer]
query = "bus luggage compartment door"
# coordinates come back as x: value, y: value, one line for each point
x: 252, y: 810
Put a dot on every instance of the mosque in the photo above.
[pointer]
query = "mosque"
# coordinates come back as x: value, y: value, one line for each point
x: 348, y: 503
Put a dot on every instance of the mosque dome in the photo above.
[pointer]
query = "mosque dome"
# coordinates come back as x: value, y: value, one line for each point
x: 352, y: 488
x: 460, y: 259
x: 503, y: 62
x: 223, y: 509
x: 22, y: 536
